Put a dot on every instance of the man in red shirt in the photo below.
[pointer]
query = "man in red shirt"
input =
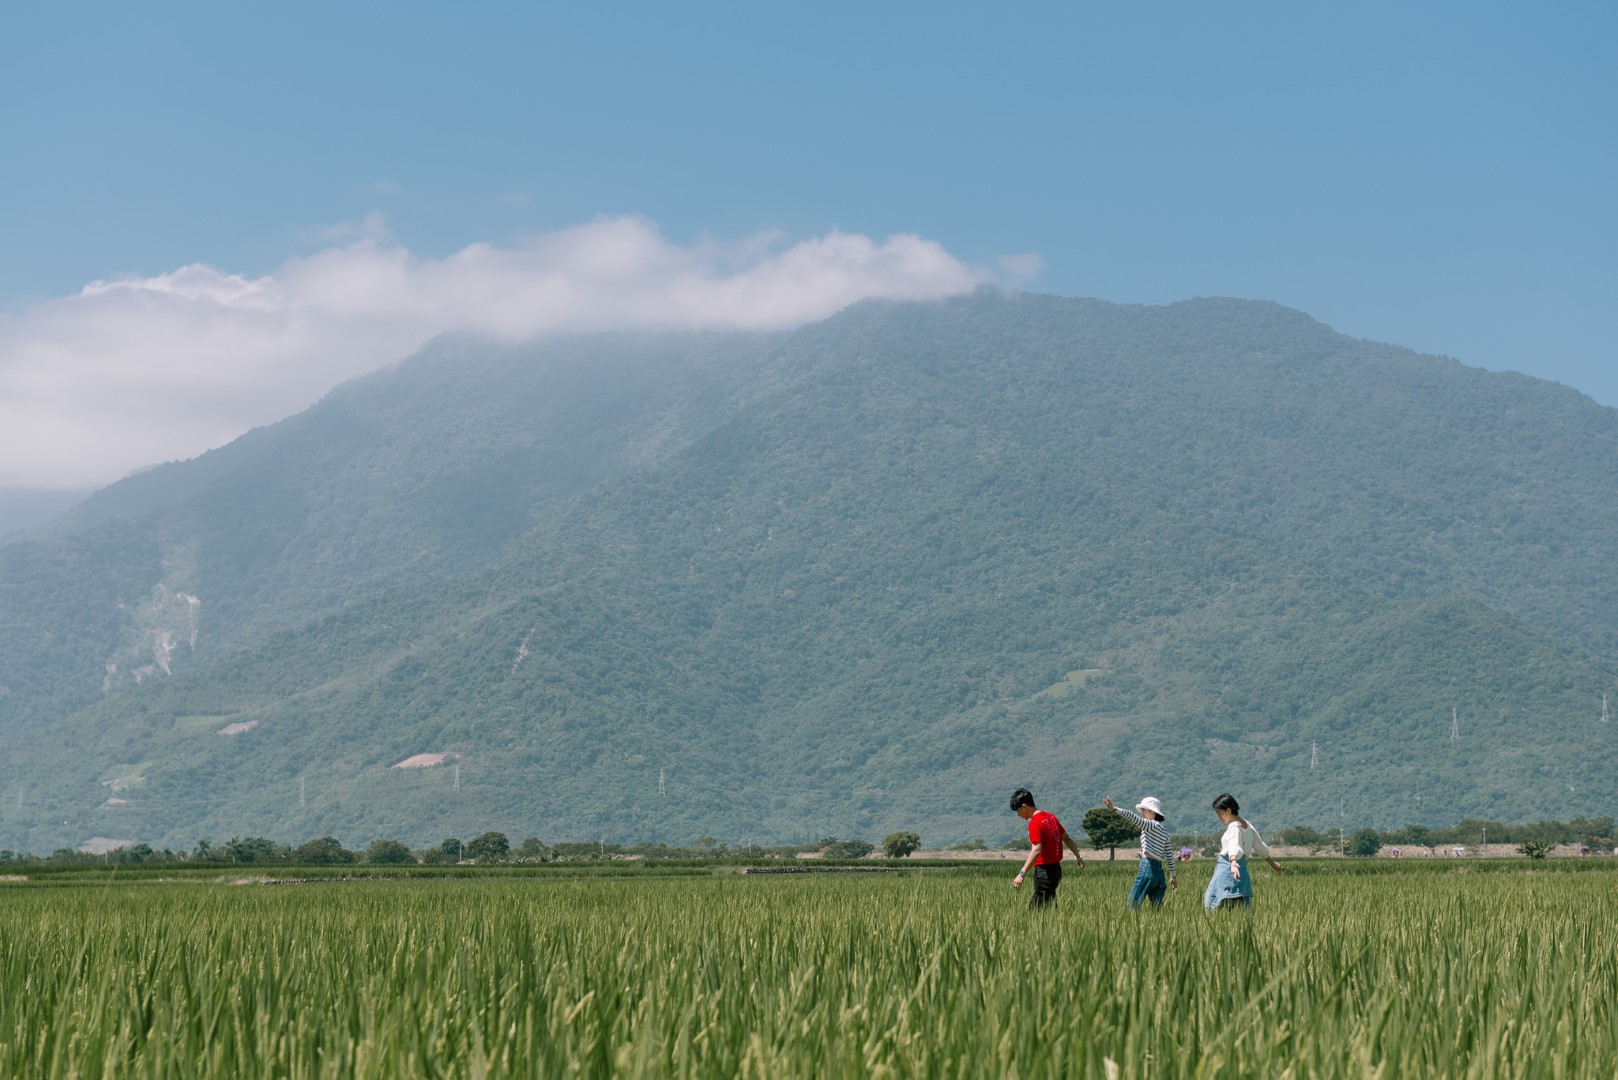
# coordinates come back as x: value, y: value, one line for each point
x: 1045, y: 837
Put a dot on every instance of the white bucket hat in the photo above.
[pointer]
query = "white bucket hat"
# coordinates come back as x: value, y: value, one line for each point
x: 1150, y: 803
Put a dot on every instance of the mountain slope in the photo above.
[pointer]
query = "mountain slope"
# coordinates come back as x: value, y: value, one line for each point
x: 836, y: 581
x: 405, y: 476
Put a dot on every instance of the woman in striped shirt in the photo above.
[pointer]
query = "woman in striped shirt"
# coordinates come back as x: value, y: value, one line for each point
x: 1155, y: 860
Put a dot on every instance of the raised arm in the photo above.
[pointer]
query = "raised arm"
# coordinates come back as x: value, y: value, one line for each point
x: 1128, y: 815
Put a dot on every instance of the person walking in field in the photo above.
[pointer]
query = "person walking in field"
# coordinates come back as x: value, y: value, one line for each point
x: 1045, y: 838
x: 1232, y: 883
x: 1155, y: 861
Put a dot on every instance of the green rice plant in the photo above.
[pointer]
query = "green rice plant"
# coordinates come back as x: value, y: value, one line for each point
x: 1425, y: 970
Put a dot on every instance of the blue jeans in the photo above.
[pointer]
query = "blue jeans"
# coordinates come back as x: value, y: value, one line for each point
x: 1225, y: 889
x: 1150, y: 884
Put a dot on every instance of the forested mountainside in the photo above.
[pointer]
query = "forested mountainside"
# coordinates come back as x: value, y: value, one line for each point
x: 422, y: 472
x: 867, y: 575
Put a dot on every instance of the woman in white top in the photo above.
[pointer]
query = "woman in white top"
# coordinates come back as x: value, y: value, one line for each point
x: 1232, y: 885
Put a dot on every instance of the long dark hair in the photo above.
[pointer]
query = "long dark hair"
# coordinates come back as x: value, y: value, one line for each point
x: 1227, y: 802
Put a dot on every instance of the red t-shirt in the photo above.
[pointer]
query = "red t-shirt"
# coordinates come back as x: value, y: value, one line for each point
x: 1046, y: 831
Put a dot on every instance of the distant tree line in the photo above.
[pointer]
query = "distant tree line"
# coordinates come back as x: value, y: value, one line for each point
x: 486, y: 849
x: 1105, y: 829
x: 1541, y: 836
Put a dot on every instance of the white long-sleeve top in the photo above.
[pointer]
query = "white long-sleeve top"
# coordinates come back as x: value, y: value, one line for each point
x: 1239, y: 843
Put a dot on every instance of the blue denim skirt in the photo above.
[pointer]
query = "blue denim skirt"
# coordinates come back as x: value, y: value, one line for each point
x: 1150, y: 884
x: 1227, y: 886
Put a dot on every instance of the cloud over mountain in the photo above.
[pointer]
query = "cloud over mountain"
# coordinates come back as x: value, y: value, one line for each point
x: 145, y: 369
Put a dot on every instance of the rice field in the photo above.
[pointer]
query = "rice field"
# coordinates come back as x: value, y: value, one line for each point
x: 1413, y: 970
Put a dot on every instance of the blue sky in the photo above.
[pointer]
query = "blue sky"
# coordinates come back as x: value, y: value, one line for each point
x: 1436, y: 175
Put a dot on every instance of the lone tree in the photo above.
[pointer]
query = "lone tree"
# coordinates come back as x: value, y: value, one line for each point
x: 1536, y: 849
x: 252, y: 849
x: 901, y: 845
x: 1364, y: 843
x: 489, y: 848
x: 846, y: 849
x: 325, y: 850
x: 386, y: 852
x: 1108, y: 829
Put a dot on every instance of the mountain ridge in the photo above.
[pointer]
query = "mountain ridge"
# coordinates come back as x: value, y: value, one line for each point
x: 834, y: 580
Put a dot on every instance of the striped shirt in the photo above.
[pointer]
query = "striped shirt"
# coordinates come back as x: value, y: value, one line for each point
x: 1154, y: 839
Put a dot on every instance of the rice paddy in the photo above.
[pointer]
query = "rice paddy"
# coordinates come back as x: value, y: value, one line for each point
x: 1474, y: 970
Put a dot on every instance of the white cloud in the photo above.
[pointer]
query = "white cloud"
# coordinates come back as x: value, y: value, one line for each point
x: 140, y: 370
x: 1022, y: 268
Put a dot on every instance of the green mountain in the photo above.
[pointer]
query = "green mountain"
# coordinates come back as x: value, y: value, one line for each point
x: 868, y: 575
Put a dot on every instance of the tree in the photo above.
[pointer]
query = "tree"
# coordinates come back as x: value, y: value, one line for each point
x: 847, y: 849
x: 1591, y: 830
x: 532, y: 848
x: 388, y: 851
x: 1108, y: 829
x: 1364, y: 843
x: 137, y: 853
x: 1536, y: 849
x: 453, y: 848
x: 1304, y: 836
x: 900, y: 845
x: 252, y: 849
x: 491, y: 847
x: 323, y: 851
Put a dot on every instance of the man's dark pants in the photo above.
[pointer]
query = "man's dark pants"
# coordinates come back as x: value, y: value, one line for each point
x: 1047, y: 877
